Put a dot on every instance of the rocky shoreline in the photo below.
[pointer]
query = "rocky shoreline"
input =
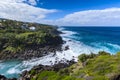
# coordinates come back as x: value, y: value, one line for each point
x: 28, y: 75
x: 19, y: 41
x: 31, y: 52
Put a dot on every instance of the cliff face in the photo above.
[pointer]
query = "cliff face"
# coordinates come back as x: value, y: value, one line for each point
x: 22, y: 40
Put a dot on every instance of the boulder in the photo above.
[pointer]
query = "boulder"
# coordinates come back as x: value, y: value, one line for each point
x: 66, y: 47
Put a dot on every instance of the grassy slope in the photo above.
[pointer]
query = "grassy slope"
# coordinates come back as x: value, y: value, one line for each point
x: 98, y: 67
x: 101, y: 67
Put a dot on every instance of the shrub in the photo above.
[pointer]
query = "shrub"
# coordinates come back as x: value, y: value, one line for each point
x: 103, y: 53
x: 83, y: 57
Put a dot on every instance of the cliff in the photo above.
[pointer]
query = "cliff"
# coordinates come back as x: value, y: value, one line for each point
x: 23, y: 40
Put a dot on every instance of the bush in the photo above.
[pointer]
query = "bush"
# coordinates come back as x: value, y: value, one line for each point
x: 103, y: 53
x: 32, y: 72
x: 83, y: 57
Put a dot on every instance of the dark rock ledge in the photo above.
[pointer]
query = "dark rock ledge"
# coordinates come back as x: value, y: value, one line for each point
x: 27, y: 76
x: 30, y: 53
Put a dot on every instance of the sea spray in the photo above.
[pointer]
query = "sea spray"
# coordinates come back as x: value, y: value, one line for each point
x: 76, y: 47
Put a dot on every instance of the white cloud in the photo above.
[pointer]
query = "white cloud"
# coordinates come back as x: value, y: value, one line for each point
x: 108, y: 17
x: 32, y: 2
x: 18, y: 10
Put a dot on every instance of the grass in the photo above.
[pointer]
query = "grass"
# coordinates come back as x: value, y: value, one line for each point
x: 52, y: 75
x: 102, y: 66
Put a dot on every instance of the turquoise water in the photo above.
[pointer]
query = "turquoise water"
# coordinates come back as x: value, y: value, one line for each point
x: 79, y: 39
x: 9, y: 68
x: 104, y: 38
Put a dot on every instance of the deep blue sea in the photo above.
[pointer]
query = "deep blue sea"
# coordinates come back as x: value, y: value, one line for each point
x: 79, y: 39
x: 103, y: 38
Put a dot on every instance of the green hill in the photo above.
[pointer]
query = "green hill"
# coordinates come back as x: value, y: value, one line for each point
x: 18, y: 38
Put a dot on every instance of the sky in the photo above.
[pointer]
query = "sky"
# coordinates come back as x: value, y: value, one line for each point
x: 63, y: 12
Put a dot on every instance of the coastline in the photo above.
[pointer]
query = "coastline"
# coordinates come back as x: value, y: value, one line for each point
x: 60, y: 55
x: 21, y: 45
x: 54, y: 62
x: 75, y: 49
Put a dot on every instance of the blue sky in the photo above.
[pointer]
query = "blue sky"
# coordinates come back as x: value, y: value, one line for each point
x: 69, y: 6
x: 77, y: 4
x: 63, y: 12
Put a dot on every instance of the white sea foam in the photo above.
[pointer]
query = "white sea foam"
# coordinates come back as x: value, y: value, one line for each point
x: 108, y: 47
x: 13, y: 71
x: 115, y: 45
x: 75, y: 48
x: 67, y: 33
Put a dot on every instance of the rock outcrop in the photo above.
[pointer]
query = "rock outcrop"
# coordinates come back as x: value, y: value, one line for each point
x: 27, y: 75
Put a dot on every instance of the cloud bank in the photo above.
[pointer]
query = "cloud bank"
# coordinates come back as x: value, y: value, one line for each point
x: 105, y: 17
x: 25, y: 10
x: 20, y: 10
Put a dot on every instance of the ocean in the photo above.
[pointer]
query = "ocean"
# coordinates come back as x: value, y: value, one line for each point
x: 79, y: 39
x: 99, y: 38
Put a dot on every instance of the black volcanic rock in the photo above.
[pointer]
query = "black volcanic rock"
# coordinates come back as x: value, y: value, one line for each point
x: 38, y: 69
x: 2, y: 77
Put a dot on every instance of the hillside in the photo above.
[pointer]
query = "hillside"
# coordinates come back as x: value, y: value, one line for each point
x: 23, y: 40
x: 101, y: 66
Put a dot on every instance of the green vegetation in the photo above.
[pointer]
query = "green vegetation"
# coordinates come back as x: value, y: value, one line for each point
x: 52, y: 75
x: 16, y: 36
x: 84, y: 57
x: 101, y: 66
